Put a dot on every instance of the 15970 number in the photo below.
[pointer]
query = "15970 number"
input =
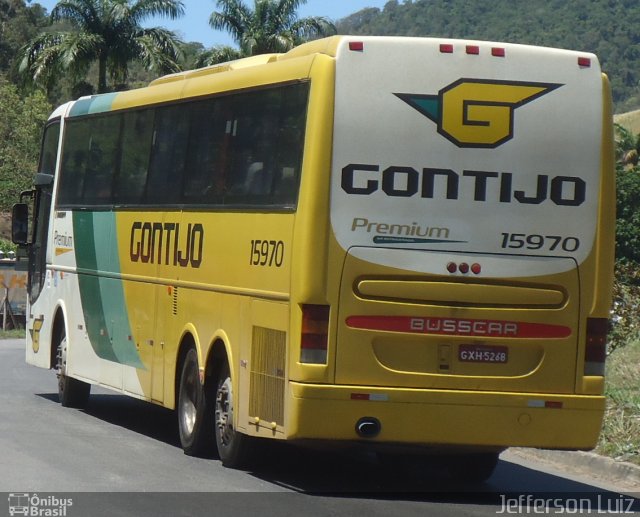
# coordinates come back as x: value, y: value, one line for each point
x: 538, y: 242
x: 266, y: 253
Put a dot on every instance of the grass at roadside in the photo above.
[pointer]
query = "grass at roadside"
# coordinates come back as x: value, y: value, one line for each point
x: 620, y: 437
x: 12, y: 334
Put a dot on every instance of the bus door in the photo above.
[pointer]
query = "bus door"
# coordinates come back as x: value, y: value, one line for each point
x: 42, y: 210
x: 36, y: 243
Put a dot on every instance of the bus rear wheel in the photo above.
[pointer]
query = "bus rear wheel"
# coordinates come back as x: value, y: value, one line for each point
x: 195, y: 418
x: 72, y: 393
x: 233, y: 447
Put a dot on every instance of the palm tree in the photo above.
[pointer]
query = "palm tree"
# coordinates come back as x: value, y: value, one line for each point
x: 217, y: 54
x: 106, y: 31
x: 271, y: 26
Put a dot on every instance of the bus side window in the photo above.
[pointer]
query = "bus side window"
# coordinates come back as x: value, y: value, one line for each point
x: 258, y: 180
x: 285, y: 189
x: 137, y: 132
x: 168, y: 156
x: 204, y: 172
x: 103, y: 148
x: 255, y: 131
x: 49, y: 153
x: 290, y: 144
x: 77, y: 138
x: 241, y: 159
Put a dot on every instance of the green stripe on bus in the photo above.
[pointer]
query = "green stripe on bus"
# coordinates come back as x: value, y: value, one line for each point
x: 95, y: 104
x: 102, y: 298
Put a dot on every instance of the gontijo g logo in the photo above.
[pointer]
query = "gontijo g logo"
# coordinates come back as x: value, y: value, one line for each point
x: 477, y: 112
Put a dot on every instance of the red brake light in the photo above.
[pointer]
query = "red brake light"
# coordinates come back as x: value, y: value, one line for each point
x: 315, y: 331
x: 464, y: 268
x: 473, y: 49
x: 356, y: 46
x: 584, y: 62
x: 498, y: 52
x: 595, y: 352
x: 446, y: 48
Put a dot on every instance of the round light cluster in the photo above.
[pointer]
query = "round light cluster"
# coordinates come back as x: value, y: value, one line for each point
x: 464, y: 268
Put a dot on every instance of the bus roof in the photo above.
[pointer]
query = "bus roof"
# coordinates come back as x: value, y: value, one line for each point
x: 326, y: 46
x: 170, y: 87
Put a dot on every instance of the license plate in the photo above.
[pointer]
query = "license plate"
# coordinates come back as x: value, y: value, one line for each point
x: 483, y: 354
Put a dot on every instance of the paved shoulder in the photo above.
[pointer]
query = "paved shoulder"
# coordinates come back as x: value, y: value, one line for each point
x: 616, y: 474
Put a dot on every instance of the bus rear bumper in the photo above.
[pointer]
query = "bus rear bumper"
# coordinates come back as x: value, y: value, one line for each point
x: 441, y: 417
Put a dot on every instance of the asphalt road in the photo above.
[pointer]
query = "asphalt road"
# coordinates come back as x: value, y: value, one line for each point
x: 121, y: 456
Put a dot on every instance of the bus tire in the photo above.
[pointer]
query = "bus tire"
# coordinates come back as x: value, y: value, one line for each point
x: 233, y: 446
x: 72, y: 393
x: 195, y: 418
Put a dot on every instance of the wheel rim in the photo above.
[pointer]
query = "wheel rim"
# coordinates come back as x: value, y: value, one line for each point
x: 188, y: 398
x: 224, y: 412
x: 61, y: 361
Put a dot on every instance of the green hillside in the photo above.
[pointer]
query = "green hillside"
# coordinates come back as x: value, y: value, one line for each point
x: 609, y: 28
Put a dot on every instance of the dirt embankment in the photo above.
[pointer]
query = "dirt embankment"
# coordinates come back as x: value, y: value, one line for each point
x: 630, y: 121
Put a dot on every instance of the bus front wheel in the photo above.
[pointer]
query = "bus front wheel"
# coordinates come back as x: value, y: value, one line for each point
x: 72, y: 393
x: 233, y: 447
x: 195, y: 422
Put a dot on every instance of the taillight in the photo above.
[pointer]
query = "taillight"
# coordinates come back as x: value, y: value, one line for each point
x: 584, y: 62
x: 315, y: 331
x: 464, y: 268
x: 596, y: 346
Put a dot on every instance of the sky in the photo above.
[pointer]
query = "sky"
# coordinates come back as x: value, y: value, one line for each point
x: 194, y: 25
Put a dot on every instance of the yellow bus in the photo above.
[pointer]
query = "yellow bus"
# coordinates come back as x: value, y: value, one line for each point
x: 401, y: 242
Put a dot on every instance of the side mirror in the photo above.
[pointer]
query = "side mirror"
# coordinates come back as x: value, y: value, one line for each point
x: 20, y: 224
x: 43, y: 180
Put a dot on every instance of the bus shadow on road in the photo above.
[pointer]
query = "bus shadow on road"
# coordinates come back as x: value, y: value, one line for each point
x: 135, y: 415
x: 358, y: 474
x: 353, y: 472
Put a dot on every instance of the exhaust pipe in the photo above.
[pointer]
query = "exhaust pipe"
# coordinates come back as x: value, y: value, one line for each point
x: 368, y: 427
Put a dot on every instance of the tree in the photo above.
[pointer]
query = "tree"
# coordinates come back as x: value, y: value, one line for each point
x: 104, y: 31
x: 21, y: 121
x: 217, y: 54
x: 19, y: 23
x: 271, y: 26
x: 627, y: 145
